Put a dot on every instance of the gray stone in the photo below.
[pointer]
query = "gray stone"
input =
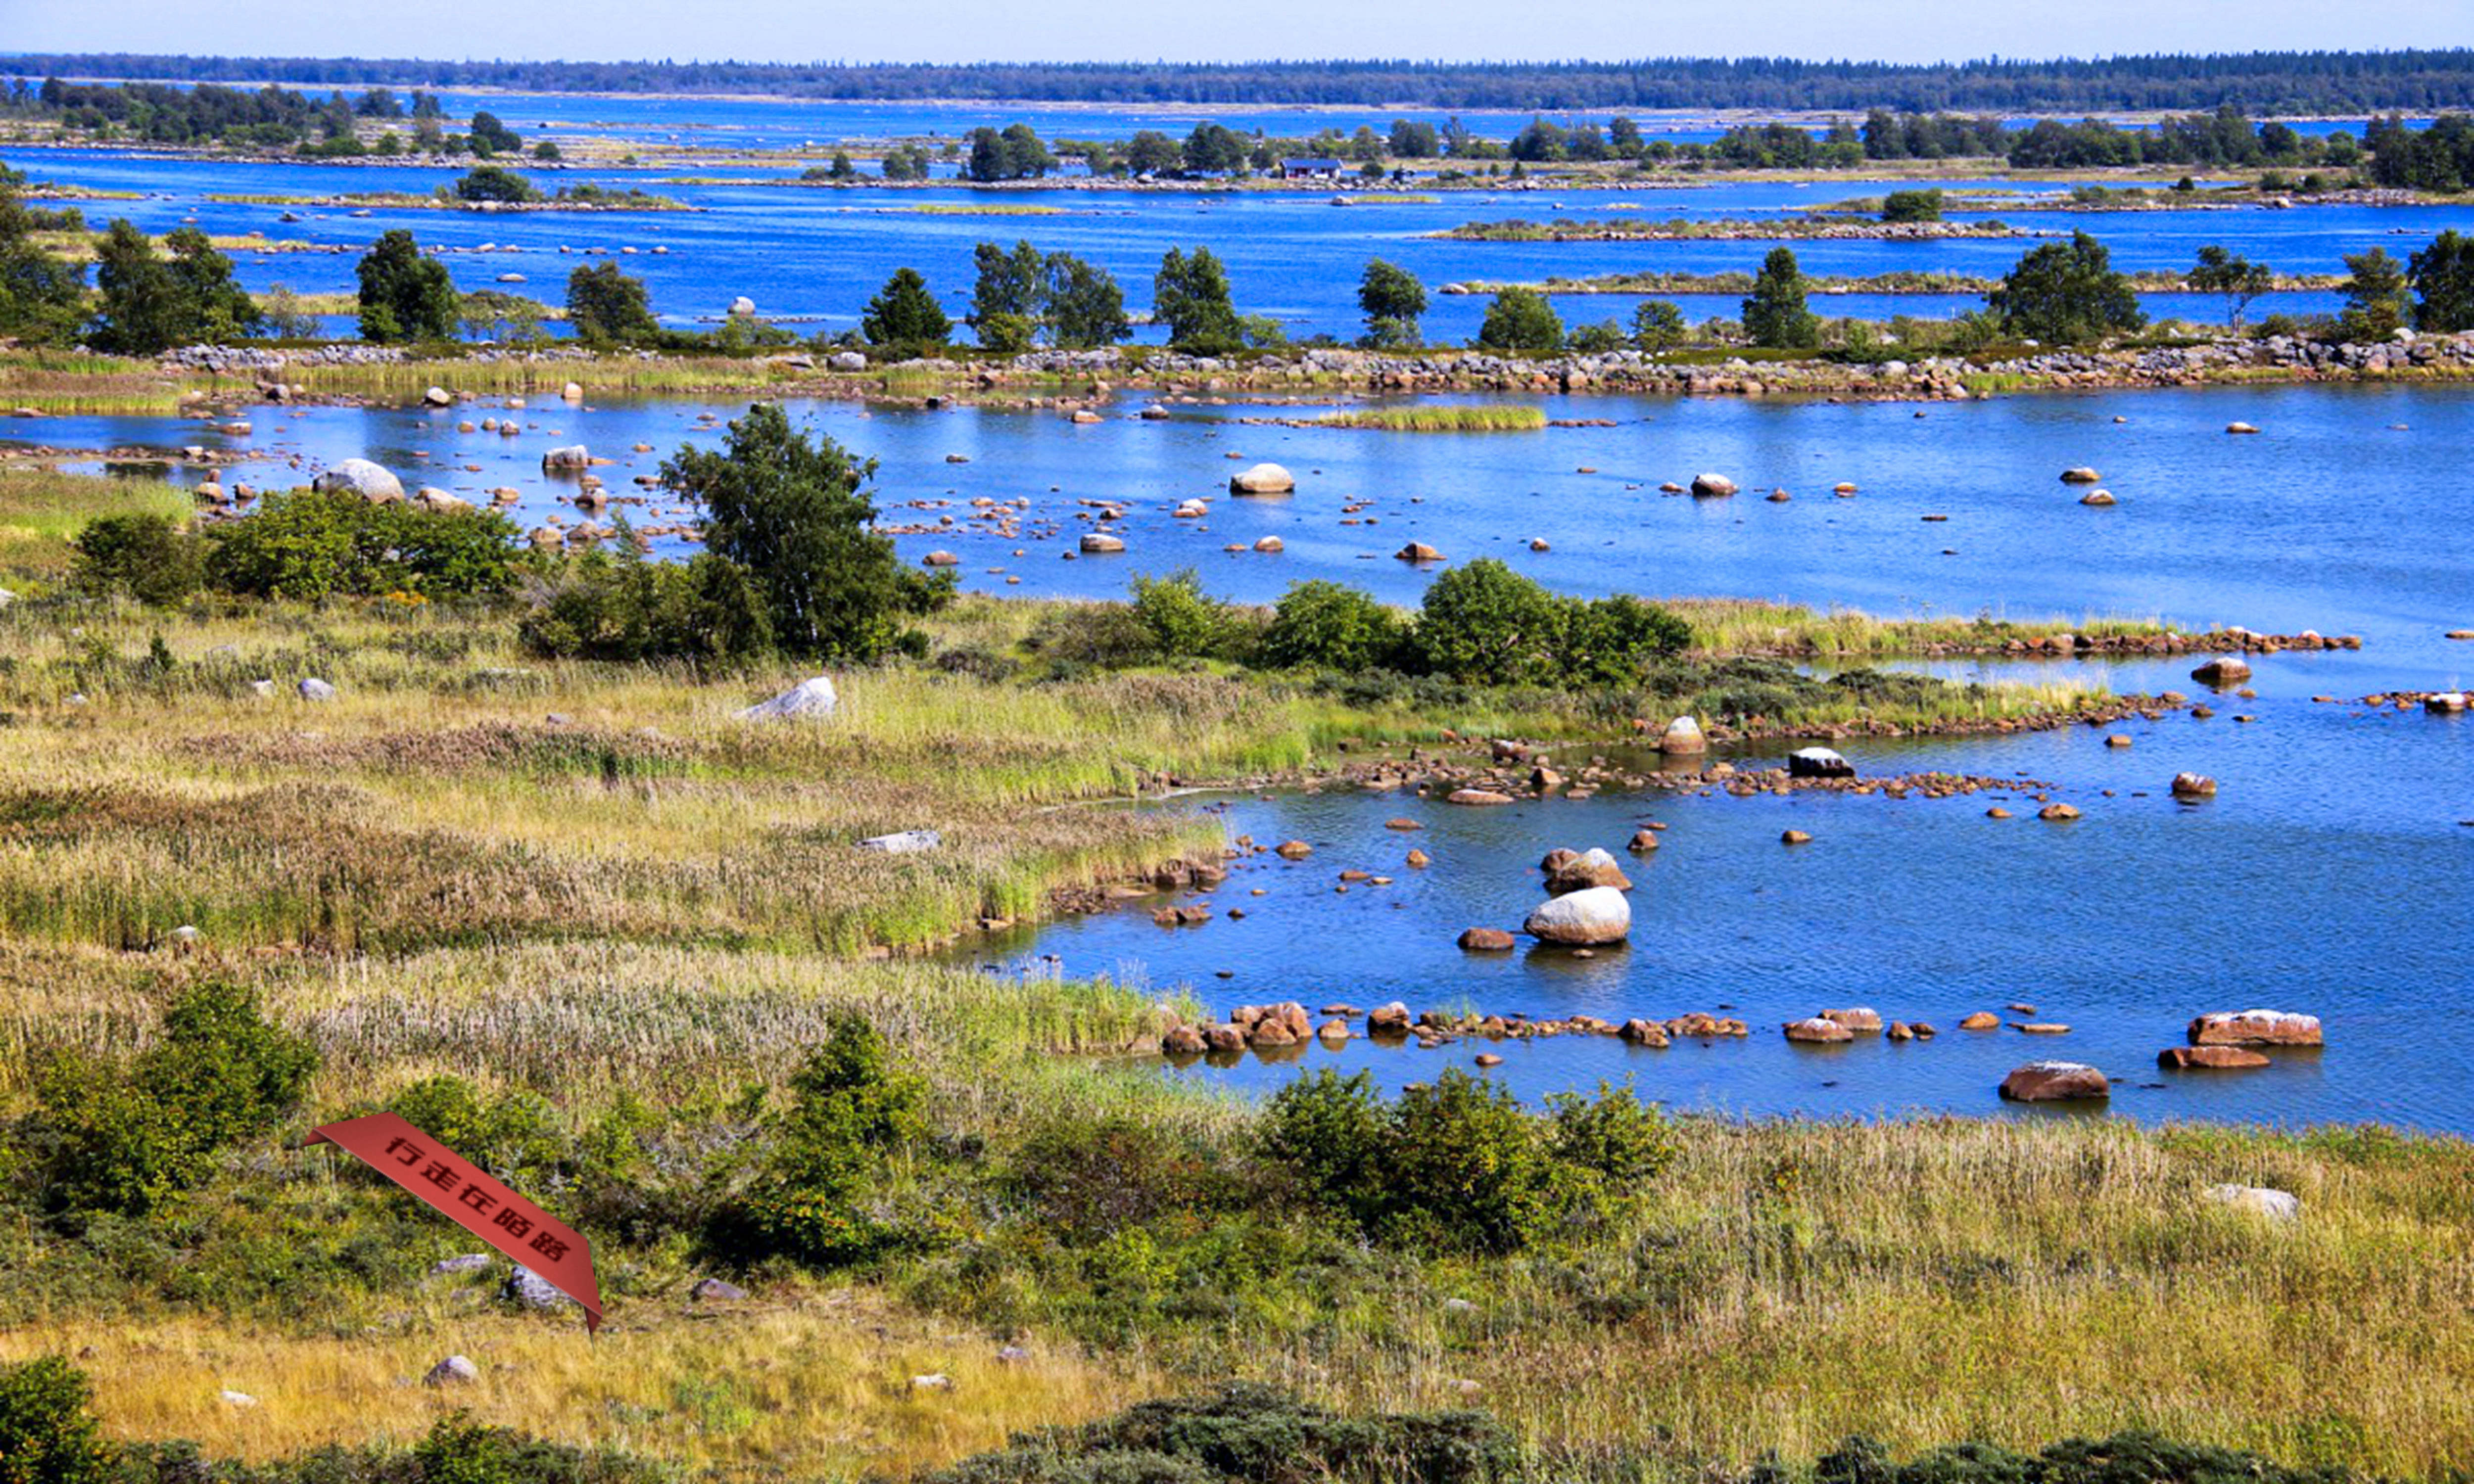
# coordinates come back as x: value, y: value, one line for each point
x: 528, y: 1289
x: 315, y: 689
x: 361, y: 477
x: 2257, y: 1200
x: 466, y: 1262
x: 453, y: 1370
x: 1597, y: 915
x: 906, y: 842
x: 814, y: 696
x: 712, y: 1290
x: 1263, y: 479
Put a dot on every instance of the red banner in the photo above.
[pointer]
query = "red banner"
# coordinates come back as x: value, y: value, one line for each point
x: 478, y: 1204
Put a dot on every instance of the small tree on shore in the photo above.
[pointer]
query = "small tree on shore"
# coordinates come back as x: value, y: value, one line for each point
x: 2376, y: 296
x: 151, y: 304
x: 1392, y: 299
x: 1911, y: 206
x: 606, y: 306
x: 1658, y: 324
x: 789, y: 512
x: 1190, y: 297
x: 2066, y: 291
x: 2442, y: 276
x: 1086, y: 309
x: 1520, y: 320
x: 404, y: 296
x: 2220, y: 271
x: 905, y: 314
x: 1774, y: 314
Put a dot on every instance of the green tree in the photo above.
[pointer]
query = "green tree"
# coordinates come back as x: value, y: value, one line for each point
x: 1327, y: 626
x: 1656, y: 324
x: 2377, y: 302
x: 1911, y: 206
x: 1213, y: 149
x: 1190, y: 297
x: 1150, y: 152
x: 1392, y: 299
x: 2238, y: 278
x: 1520, y: 320
x: 489, y: 137
x: 1086, y: 309
x: 140, y: 313
x: 854, y: 1108
x: 1486, y: 624
x: 1026, y: 157
x: 789, y: 512
x: 2066, y: 291
x: 489, y: 182
x: 2442, y: 276
x: 1774, y: 314
x: 905, y: 314
x: 146, y: 557
x: 404, y: 296
x: 1009, y: 295
x: 48, y: 1431
x: 606, y: 306
x: 42, y: 295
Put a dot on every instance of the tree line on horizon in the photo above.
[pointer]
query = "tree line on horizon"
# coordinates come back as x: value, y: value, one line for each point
x: 2322, y: 82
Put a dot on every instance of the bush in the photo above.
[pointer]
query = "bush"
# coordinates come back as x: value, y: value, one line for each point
x: 624, y: 607
x: 1922, y: 205
x: 1520, y: 320
x: 854, y: 1109
x: 308, y: 545
x: 1487, y: 624
x: 47, y: 1433
x: 505, y: 1137
x: 1183, y: 621
x: 489, y: 182
x: 1327, y: 625
x: 1612, y: 640
x: 789, y: 513
x: 126, y: 1139
x: 1457, y: 1164
x: 145, y: 556
x: 1078, y: 636
x: 1250, y: 1434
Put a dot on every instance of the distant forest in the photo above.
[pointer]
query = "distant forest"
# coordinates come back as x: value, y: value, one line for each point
x: 2260, y: 83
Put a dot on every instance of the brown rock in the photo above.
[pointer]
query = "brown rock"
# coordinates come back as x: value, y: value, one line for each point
x: 1644, y: 1033
x: 1858, y: 1017
x: 1392, y: 1019
x: 1182, y: 1041
x: 2049, y: 1082
x: 1486, y: 940
x: 1293, y: 850
x: 1981, y: 1020
x: 2256, y: 1028
x: 1476, y: 796
x: 2183, y: 1058
x: 1817, y: 1031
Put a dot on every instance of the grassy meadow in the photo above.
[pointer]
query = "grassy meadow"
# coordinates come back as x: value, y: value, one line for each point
x: 618, y: 922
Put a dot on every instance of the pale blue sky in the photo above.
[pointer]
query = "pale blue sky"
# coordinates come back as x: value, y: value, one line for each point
x: 1014, y: 30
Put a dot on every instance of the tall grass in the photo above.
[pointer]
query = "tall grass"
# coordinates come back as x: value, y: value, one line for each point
x: 1479, y: 417
x: 40, y: 510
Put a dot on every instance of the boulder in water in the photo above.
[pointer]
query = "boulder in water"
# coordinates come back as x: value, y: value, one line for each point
x: 361, y: 477
x: 1263, y: 479
x: 2055, y: 1082
x: 1583, y: 919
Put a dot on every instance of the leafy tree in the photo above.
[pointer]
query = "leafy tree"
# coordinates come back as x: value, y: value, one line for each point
x: 1486, y: 624
x: 904, y: 313
x: 127, y: 1138
x: 1658, y: 324
x: 1150, y: 152
x: 905, y: 162
x: 2442, y: 276
x: 1011, y: 288
x: 1600, y: 338
x: 151, y: 304
x: 1392, y: 298
x: 490, y: 183
x: 143, y: 555
x: 2376, y: 296
x: 1183, y: 621
x: 607, y: 306
x: 43, y: 297
x: 854, y: 1108
x: 1190, y: 295
x: 1774, y: 314
x: 1085, y: 309
x: 48, y: 1431
x: 501, y: 318
x: 1520, y: 320
x: 2066, y: 291
x: 2238, y: 278
x: 307, y: 545
x: 1213, y: 149
x: 1411, y: 140
x: 1923, y: 206
x: 404, y: 296
x: 489, y: 137
x: 624, y: 607
x: 789, y: 512
x: 1328, y: 626
x: 1026, y: 157
x: 1608, y: 642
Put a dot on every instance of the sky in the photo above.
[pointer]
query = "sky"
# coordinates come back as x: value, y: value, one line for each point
x: 1013, y: 31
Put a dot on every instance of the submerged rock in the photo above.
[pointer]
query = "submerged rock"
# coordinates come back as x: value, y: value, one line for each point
x: 1713, y: 487
x: 2183, y: 1058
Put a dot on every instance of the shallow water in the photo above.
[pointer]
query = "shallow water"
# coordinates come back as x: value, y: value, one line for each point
x: 2348, y: 511
x: 2332, y: 875
x: 814, y: 256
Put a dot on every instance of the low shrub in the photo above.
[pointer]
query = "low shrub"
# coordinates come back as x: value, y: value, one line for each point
x: 125, y: 1139
x: 48, y: 1433
x: 142, y: 557
x: 1329, y: 626
x: 624, y: 607
x: 308, y: 544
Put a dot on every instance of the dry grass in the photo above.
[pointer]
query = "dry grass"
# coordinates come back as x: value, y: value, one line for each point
x: 805, y: 1383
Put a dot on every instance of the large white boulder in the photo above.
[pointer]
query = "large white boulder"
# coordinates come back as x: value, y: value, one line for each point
x: 1684, y: 737
x: 1263, y: 479
x: 361, y: 477
x: 808, y: 698
x: 1582, y: 919
x: 1818, y: 762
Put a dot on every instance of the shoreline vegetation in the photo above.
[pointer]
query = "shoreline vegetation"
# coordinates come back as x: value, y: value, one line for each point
x: 1911, y: 281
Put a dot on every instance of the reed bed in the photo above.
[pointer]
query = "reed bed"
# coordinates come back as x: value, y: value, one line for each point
x: 1480, y: 418
x: 1737, y: 626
